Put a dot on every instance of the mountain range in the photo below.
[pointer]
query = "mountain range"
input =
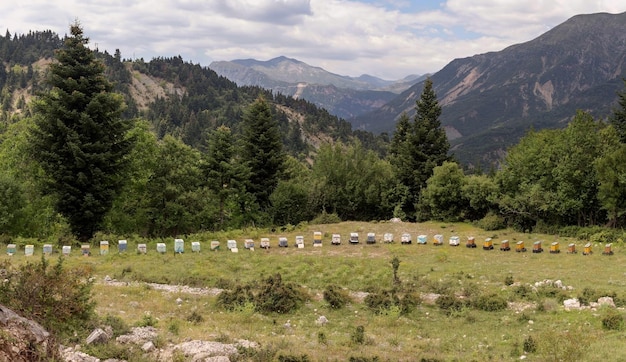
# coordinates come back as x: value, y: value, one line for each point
x: 489, y: 100
x: 343, y: 96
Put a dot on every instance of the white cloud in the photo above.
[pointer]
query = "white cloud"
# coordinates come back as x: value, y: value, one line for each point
x: 386, y: 38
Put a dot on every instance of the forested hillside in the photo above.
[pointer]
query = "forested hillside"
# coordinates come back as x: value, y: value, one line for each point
x: 206, y: 155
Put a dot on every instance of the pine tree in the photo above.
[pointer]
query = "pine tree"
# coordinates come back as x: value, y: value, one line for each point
x: 223, y: 172
x: 618, y: 120
x: 262, y: 151
x: 418, y: 147
x: 79, y: 138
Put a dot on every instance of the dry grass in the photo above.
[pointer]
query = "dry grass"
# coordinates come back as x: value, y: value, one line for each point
x: 427, y: 332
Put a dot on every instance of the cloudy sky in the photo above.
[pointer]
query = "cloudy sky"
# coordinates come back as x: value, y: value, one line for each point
x: 386, y: 38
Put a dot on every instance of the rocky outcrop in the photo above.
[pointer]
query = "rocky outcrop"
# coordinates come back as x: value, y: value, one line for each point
x: 23, y: 339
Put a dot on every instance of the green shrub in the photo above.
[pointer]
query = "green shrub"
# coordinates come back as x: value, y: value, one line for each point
x: 508, y: 280
x: 147, y: 321
x: 358, y: 335
x: 276, y: 296
x: 293, y: 358
x: 612, y: 320
x: 117, y: 324
x: 364, y: 359
x: 530, y: 345
x: 58, y: 299
x: 450, y: 304
x: 195, y: 318
x: 490, y: 303
x: 381, y: 300
x: 491, y: 222
x: 336, y: 297
x: 325, y: 218
x: 231, y: 299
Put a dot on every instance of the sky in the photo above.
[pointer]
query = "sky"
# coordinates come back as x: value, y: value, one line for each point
x: 389, y: 39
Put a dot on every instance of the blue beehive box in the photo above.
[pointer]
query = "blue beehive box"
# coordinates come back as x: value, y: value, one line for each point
x: 11, y: 249
x: 29, y: 250
x: 422, y: 239
x: 47, y: 249
x: 85, y: 249
x: 122, y: 245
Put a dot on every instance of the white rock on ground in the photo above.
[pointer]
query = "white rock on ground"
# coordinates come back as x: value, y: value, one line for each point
x: 139, y: 336
x: 199, y: 351
x: 606, y: 301
x: 573, y: 303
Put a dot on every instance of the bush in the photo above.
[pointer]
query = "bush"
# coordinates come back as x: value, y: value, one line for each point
x: 232, y: 299
x: 491, y: 222
x: 450, y: 304
x: 293, y: 358
x: 279, y: 297
x: 336, y: 297
x: 271, y: 295
x: 325, y: 218
x: 381, y: 300
x: 612, y: 320
x: 117, y: 324
x: 358, y: 335
x: 364, y: 359
x: 58, y: 299
x: 530, y: 345
x: 490, y: 303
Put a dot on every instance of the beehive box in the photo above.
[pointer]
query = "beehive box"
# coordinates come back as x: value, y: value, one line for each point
x: 122, y: 245
x: 179, y: 246
x: 195, y: 246
x: 161, y: 248
x: 104, y: 247
x: 47, y: 249
x: 142, y: 248
x: 422, y: 239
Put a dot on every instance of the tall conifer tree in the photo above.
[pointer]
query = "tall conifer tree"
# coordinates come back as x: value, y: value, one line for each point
x: 418, y: 147
x: 262, y: 151
x: 79, y: 138
x: 618, y: 119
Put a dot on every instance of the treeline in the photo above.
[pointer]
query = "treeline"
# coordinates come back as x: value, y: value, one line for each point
x: 243, y: 162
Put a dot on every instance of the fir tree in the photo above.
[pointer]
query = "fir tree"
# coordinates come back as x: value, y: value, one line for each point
x: 618, y: 120
x: 79, y: 138
x: 418, y: 147
x: 262, y: 151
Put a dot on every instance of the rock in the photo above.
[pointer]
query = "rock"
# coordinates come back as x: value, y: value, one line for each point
x: 200, y: 351
x: 71, y: 355
x: 321, y: 320
x: 138, y: 336
x: 571, y: 304
x: 396, y: 219
x: 26, y: 340
x: 98, y: 335
x: 606, y: 301
x: 429, y: 298
x: 148, y: 347
x: 179, y: 301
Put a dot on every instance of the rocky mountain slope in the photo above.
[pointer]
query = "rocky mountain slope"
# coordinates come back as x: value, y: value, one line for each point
x: 490, y: 100
x: 342, y: 96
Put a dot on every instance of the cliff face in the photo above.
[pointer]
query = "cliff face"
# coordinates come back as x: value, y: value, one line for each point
x: 493, y: 98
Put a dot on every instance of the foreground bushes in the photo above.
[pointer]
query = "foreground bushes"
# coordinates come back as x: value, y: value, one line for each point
x: 272, y: 295
x: 58, y: 299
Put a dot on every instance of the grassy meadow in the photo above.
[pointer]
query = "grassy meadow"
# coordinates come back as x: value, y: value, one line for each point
x: 535, y: 320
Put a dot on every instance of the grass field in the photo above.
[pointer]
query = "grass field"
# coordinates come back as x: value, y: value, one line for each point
x: 535, y: 319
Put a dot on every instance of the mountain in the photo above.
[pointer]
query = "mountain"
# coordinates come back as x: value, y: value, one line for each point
x: 490, y: 100
x: 178, y: 98
x: 343, y: 96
